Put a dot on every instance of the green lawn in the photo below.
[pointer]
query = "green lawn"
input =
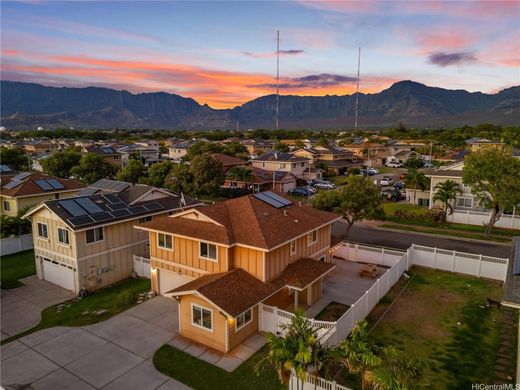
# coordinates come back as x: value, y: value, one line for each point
x: 16, y: 266
x: 200, y: 375
x: 442, y: 317
x: 79, y: 312
x: 391, y: 207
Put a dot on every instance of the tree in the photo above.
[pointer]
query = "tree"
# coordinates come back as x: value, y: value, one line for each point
x: 358, y: 199
x: 445, y: 192
x: 414, y: 163
x: 180, y: 179
x: 201, y: 148
x: 91, y: 168
x: 236, y: 149
x: 415, y: 179
x: 158, y: 173
x: 16, y: 158
x: 207, y: 175
x: 239, y: 174
x: 61, y: 163
x: 281, y: 147
x: 359, y: 355
x: 298, y: 144
x: 131, y: 172
x: 397, y: 371
x: 494, y: 178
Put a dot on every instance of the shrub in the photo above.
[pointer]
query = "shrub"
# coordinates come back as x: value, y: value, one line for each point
x: 124, y: 299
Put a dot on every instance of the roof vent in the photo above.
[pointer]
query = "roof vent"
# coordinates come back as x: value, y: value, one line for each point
x: 296, y: 220
x: 266, y: 214
x: 285, y: 213
x: 300, y: 203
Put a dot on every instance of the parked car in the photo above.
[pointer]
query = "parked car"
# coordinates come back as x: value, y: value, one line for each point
x: 399, y: 185
x: 324, y: 185
x: 300, y: 191
x: 428, y: 165
x: 311, y: 190
x: 372, y: 171
x: 386, y: 181
x: 394, y: 164
x: 367, y: 172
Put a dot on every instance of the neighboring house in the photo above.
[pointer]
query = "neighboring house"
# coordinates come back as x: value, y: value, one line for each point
x: 336, y: 160
x: 146, y: 154
x: 30, y: 188
x: 89, y: 241
x: 451, y: 172
x: 229, y: 162
x: 179, y: 149
x: 38, y: 147
x: 262, y: 180
x: 108, y: 153
x: 313, y: 173
x: 221, y: 261
x: 475, y: 144
x: 258, y: 146
x: 360, y: 149
x: 285, y: 162
x: 403, y: 156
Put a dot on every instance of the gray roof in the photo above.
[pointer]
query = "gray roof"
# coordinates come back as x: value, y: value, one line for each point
x: 278, y: 156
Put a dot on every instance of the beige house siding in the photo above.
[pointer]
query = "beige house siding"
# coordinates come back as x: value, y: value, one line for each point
x: 19, y: 203
x: 238, y: 336
x: 278, y: 259
x: 248, y: 259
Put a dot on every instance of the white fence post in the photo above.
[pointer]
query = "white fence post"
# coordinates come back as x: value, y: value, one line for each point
x: 479, y: 264
x: 435, y: 258
x: 453, y: 259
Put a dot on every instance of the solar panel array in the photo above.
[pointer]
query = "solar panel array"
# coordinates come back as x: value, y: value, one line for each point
x: 21, y: 176
x: 87, y: 191
x: 49, y: 184
x: 12, y: 184
x: 110, y: 185
x: 273, y: 199
x: 5, y: 168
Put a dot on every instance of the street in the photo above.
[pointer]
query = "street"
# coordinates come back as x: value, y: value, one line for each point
x: 403, y: 240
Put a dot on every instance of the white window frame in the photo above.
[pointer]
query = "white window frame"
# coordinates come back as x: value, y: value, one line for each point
x: 293, y: 250
x: 159, y: 241
x: 237, y: 328
x: 310, y: 235
x: 46, y: 237
x: 208, y: 258
x: 66, y: 235
x: 7, y: 205
x: 193, y: 305
x: 465, y: 199
x: 95, y: 241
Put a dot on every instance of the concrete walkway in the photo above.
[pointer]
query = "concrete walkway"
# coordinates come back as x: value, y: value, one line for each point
x: 114, y: 354
x: 21, y: 307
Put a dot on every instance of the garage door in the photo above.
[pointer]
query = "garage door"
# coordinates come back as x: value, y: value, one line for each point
x: 58, y: 273
x: 169, y: 280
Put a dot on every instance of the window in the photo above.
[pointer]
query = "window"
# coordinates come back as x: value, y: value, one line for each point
x: 201, y: 317
x: 7, y: 205
x: 63, y: 236
x: 293, y: 247
x: 303, y: 164
x: 42, y: 230
x: 243, y: 319
x: 464, y: 202
x: 263, y: 165
x: 164, y: 241
x: 294, y: 165
x: 282, y: 165
x: 208, y: 251
x: 312, y: 237
x: 94, y: 235
x: 145, y: 219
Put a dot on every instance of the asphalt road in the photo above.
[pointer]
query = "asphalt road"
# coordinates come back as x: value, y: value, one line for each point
x: 403, y: 240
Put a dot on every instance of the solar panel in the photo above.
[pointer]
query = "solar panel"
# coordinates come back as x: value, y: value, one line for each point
x: 43, y: 185
x: 72, y: 207
x: 137, y: 209
x: 83, y: 220
x: 12, y: 184
x: 5, y: 168
x: 278, y: 198
x: 55, y: 184
x: 153, y: 206
x: 121, y: 213
x: 516, y: 265
x: 117, y: 206
x: 112, y: 198
x: 21, y: 176
x: 101, y: 217
x: 268, y: 200
x: 87, y: 191
x: 88, y: 205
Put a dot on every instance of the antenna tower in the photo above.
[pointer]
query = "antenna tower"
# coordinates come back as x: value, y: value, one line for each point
x: 277, y: 78
x: 357, y: 88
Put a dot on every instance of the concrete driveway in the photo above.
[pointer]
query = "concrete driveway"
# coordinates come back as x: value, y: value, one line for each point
x: 114, y: 354
x: 21, y: 307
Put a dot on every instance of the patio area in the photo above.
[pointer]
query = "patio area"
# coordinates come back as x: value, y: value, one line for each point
x: 344, y: 285
x: 227, y: 361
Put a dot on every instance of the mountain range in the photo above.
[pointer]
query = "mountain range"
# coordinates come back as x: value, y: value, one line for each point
x: 27, y: 106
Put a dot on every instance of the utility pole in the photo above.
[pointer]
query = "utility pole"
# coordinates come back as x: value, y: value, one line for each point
x: 277, y: 79
x: 357, y: 88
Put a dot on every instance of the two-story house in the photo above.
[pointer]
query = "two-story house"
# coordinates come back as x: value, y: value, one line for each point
x: 258, y: 147
x: 108, y: 153
x: 221, y: 261
x: 283, y: 162
x: 89, y: 241
x: 26, y: 189
x: 336, y: 160
x: 179, y: 149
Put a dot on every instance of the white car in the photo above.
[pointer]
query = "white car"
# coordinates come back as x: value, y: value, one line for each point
x: 385, y: 182
x: 372, y: 171
x: 325, y: 185
x: 394, y: 164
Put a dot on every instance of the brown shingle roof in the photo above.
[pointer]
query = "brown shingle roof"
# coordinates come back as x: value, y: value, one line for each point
x: 29, y: 187
x: 228, y: 160
x: 247, y: 221
x: 236, y: 291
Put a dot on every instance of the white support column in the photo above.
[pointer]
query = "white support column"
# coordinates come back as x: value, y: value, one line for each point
x: 479, y: 264
x: 295, y: 299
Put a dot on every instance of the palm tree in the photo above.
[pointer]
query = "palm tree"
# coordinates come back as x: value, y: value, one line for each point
x: 415, y: 179
x: 239, y: 173
x: 446, y: 191
x: 359, y: 355
x: 398, y: 371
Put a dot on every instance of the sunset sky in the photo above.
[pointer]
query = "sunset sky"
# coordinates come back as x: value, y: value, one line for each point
x: 223, y: 53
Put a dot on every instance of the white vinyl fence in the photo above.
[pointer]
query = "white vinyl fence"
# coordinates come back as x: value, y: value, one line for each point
x: 312, y: 382
x: 17, y: 244
x: 142, y: 267
x: 479, y: 218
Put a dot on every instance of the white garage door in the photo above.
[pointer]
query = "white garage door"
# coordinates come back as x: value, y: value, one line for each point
x: 58, y: 273
x: 169, y: 280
